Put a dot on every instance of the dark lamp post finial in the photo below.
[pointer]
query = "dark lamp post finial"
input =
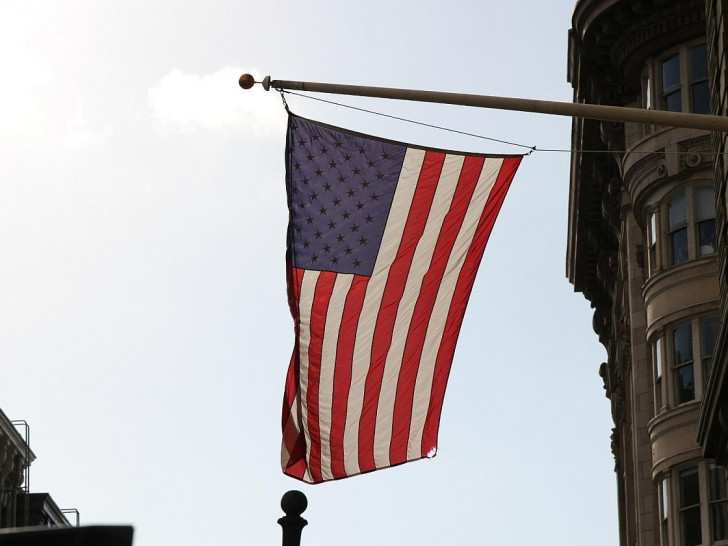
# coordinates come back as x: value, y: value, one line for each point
x: 293, y: 503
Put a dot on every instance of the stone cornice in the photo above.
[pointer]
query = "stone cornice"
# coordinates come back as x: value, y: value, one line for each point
x: 647, y: 168
x: 611, y: 39
x: 12, y: 437
x: 666, y: 28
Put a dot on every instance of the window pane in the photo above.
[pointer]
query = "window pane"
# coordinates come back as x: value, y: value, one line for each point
x: 705, y: 202
x: 676, y: 211
x: 710, y: 333
x: 653, y: 227
x: 719, y: 509
x: 648, y: 92
x: 719, y: 520
x: 685, y: 379
x: 658, y: 356
x: 679, y: 244
x: 689, y: 488
x: 671, y: 74
x: 673, y: 102
x: 701, y: 98
x: 706, y: 237
x: 691, y: 526
x: 717, y: 483
x: 665, y: 498
x: 698, y: 62
x: 683, y: 338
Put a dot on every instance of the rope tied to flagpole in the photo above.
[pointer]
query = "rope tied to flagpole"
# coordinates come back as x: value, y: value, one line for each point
x: 398, y: 118
x: 531, y: 149
x: 283, y: 98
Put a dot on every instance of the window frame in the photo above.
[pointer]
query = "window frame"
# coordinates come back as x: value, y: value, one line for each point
x: 683, y: 510
x: 672, y: 232
x: 662, y: 348
x: 669, y: 502
x: 686, y: 85
x: 660, y: 235
x: 678, y: 367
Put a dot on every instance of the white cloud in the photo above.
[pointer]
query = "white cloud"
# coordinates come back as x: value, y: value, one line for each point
x: 214, y: 102
x: 24, y: 95
x: 77, y: 133
x: 33, y: 103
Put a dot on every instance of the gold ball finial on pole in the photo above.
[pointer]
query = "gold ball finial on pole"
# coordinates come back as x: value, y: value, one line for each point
x: 246, y: 81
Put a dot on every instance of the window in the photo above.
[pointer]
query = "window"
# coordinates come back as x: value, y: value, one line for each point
x: 652, y: 235
x: 684, y: 77
x: 671, y: 93
x: 693, y: 504
x: 681, y: 228
x: 678, y: 235
x: 646, y: 90
x: 657, y: 360
x: 683, y: 363
x: 681, y: 359
x: 664, y: 508
x: 705, y: 219
x: 709, y: 333
x: 689, y: 512
x: 718, y: 503
x: 699, y: 92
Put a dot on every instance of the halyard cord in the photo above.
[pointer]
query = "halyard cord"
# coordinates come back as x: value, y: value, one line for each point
x: 530, y: 148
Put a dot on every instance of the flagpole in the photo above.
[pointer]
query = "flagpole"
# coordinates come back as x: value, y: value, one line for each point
x: 571, y: 109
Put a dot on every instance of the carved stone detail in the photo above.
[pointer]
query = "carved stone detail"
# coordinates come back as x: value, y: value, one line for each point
x: 607, y: 270
x: 612, y: 204
x: 693, y: 159
x: 616, y: 447
x: 603, y: 374
x: 602, y: 324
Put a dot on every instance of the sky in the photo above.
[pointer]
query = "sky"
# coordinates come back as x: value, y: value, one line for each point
x: 144, y: 327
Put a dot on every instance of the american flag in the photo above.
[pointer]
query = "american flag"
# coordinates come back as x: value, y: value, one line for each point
x: 384, y: 241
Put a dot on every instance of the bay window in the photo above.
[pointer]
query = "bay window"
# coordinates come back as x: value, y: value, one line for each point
x: 684, y: 80
x: 693, y: 504
x: 681, y: 227
x: 681, y: 358
x: 689, y: 510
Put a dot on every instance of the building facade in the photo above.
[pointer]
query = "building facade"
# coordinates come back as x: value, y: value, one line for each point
x: 642, y: 248
x: 19, y: 507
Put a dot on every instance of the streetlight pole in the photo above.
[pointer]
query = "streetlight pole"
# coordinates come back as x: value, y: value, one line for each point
x: 293, y: 503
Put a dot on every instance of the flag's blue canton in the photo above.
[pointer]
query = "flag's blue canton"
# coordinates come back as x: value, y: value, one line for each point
x: 340, y: 190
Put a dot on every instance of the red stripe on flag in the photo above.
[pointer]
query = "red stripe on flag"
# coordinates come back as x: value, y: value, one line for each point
x: 319, y: 310
x: 396, y: 281
x: 460, y: 300
x: 342, y: 373
x: 296, y: 467
x: 425, y: 303
x: 294, y: 277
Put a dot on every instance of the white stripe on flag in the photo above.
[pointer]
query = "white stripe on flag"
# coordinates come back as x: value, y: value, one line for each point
x: 393, y: 230
x: 433, y: 338
x: 328, y: 364
x: 422, y: 258
x: 308, y: 288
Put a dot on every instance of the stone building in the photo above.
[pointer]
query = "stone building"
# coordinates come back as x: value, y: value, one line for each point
x: 713, y: 426
x: 642, y: 249
x: 19, y: 507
